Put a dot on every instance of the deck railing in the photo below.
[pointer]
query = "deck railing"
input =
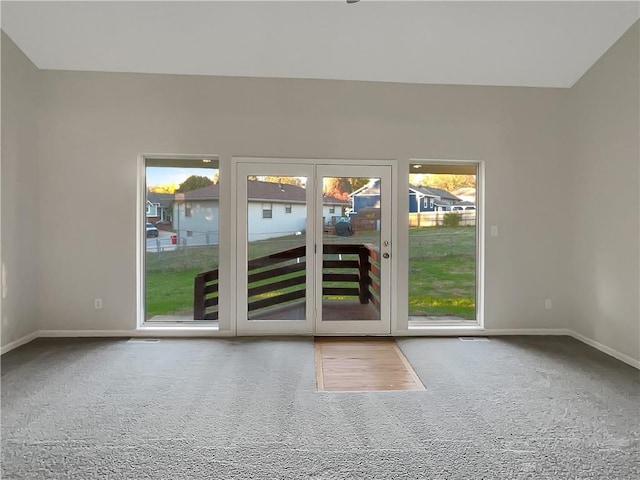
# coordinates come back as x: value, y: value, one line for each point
x: 281, y: 278
x: 205, y: 296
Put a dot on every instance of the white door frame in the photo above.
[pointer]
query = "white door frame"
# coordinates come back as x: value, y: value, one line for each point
x: 288, y: 166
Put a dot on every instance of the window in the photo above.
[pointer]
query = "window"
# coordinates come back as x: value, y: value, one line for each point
x: 287, y: 208
x: 332, y: 209
x: 443, y: 283
x: 172, y: 293
x: 267, y: 210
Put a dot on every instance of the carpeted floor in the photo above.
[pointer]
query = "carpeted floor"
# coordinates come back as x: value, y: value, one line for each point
x: 511, y: 408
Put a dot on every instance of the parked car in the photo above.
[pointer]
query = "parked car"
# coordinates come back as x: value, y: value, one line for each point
x: 462, y: 208
x: 152, y: 231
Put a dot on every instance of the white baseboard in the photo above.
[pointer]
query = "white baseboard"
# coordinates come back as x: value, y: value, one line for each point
x: 18, y: 343
x: 427, y: 331
x: 85, y: 333
x: 608, y: 350
x: 164, y: 331
x: 527, y: 331
x: 470, y: 331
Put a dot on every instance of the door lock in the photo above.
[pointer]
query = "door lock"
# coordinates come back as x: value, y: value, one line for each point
x: 385, y: 255
x: 385, y: 243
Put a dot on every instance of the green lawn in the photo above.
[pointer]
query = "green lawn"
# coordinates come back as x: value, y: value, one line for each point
x: 170, y: 292
x: 441, y: 271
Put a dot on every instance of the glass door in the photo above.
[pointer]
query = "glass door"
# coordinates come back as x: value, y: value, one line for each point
x: 275, y: 236
x: 353, y: 249
x: 314, y: 246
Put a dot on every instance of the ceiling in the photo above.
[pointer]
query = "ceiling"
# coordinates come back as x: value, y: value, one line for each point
x: 542, y: 44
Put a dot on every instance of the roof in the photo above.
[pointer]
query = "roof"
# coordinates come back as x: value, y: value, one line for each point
x: 162, y: 199
x: 423, y: 191
x: 212, y: 192
x: 327, y: 200
x: 257, y: 191
x: 434, y: 192
x: 443, y: 194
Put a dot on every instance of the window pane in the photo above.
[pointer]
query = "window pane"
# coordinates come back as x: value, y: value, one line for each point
x: 350, y: 248
x: 442, y: 244
x: 276, y: 245
x: 181, y: 258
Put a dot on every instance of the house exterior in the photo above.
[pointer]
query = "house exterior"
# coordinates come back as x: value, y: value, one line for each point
x: 158, y: 207
x: 333, y: 208
x: 274, y: 210
x: 421, y: 199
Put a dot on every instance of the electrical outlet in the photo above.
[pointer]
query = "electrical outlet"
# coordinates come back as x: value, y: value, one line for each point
x: 97, y: 303
x: 547, y: 304
x: 494, y: 230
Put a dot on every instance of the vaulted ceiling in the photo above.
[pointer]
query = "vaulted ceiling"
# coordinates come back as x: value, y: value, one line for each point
x: 542, y: 44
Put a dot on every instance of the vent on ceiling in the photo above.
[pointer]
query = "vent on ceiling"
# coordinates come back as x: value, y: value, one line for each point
x: 473, y: 339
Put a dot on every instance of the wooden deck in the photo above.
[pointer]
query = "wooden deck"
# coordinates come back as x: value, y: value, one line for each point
x: 352, y: 364
x: 331, y: 310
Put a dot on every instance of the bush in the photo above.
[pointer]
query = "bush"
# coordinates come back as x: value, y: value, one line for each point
x: 451, y: 219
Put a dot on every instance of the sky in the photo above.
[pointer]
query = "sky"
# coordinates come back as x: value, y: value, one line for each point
x: 171, y: 175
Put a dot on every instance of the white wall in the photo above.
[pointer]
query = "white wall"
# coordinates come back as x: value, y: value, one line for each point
x: 93, y: 125
x: 604, y: 200
x: 20, y: 195
x: 543, y: 148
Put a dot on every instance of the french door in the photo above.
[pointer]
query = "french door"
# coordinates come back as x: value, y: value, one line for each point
x: 314, y: 246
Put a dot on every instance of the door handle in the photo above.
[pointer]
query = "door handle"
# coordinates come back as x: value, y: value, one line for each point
x: 385, y: 255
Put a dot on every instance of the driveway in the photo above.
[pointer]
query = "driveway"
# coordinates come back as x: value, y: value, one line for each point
x: 162, y: 243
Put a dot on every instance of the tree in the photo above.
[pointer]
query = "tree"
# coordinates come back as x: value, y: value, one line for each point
x: 448, y: 182
x: 275, y: 179
x: 166, y: 188
x: 341, y: 187
x: 358, y: 182
x: 336, y: 187
x: 193, y: 183
x: 284, y: 180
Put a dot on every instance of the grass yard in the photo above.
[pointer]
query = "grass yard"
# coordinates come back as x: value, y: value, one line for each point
x: 170, y: 292
x: 441, y: 271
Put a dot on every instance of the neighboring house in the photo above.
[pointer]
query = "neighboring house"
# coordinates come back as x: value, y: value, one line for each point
x: 421, y: 199
x: 445, y: 199
x: 159, y: 207
x: 333, y: 208
x: 274, y: 210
